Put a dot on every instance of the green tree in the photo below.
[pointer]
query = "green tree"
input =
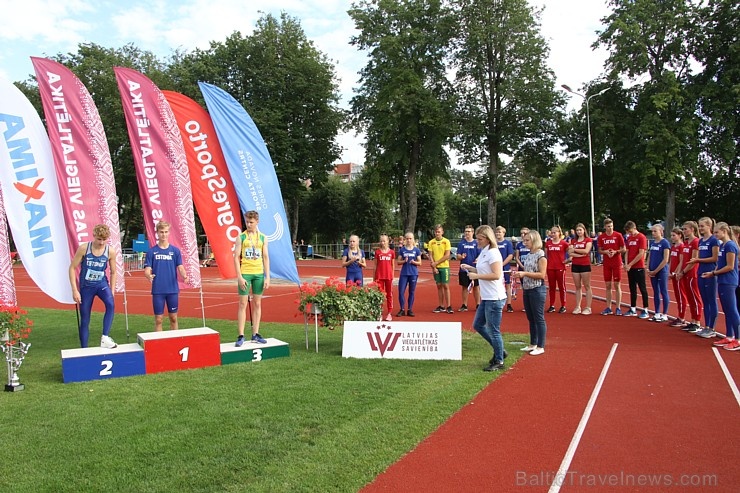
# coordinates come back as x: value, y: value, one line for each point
x: 289, y: 89
x: 507, y: 103
x: 716, y: 46
x: 649, y: 38
x: 325, y: 212
x: 404, y: 99
x: 368, y: 213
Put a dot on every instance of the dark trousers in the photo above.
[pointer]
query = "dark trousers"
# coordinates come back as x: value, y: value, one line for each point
x: 636, y: 278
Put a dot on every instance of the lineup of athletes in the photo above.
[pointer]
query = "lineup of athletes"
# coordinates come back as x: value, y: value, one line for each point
x: 700, y: 259
x: 162, y: 264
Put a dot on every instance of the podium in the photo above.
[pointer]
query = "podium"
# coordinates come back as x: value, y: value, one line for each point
x: 251, y: 351
x: 183, y: 349
x: 96, y: 363
x: 158, y: 352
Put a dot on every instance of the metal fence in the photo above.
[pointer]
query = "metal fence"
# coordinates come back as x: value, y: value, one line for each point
x: 132, y: 261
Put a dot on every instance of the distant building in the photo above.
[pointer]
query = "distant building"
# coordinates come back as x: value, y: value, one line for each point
x: 347, y: 171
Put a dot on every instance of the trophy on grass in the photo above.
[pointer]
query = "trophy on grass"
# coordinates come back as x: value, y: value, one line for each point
x: 14, y: 354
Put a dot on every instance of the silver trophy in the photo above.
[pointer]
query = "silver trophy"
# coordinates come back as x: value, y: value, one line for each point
x: 14, y: 354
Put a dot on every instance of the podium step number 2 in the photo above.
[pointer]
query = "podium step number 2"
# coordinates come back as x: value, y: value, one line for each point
x: 96, y: 363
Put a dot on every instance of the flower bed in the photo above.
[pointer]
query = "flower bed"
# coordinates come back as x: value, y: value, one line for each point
x: 339, y: 302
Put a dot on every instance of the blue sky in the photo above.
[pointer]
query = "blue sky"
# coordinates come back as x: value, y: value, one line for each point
x: 47, y: 27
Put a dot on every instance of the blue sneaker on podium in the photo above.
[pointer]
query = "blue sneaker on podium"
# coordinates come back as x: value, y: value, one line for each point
x: 239, y: 341
x: 259, y: 339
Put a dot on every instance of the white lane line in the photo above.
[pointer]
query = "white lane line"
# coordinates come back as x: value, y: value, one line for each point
x: 561, y: 475
x: 730, y: 380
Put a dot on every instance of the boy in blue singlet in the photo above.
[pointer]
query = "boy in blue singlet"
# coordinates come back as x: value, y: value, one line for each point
x: 94, y: 258
x: 161, y: 266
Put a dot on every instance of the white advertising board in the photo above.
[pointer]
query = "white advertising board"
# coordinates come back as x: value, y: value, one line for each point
x: 402, y: 340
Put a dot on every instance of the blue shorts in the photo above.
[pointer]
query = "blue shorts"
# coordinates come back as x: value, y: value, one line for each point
x: 507, y: 277
x: 159, y: 300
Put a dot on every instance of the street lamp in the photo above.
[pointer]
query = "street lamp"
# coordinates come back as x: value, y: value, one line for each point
x: 537, y: 202
x: 480, y: 210
x: 590, y: 153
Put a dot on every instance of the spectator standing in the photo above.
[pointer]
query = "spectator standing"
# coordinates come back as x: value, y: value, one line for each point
x: 580, y: 254
x: 489, y: 271
x: 384, y: 272
x: 659, y: 255
x: 521, y: 249
x: 689, y: 278
x: 726, y: 274
x: 707, y: 261
x: 507, y: 253
x: 439, y: 253
x: 353, y: 259
x: 675, y: 267
x: 409, y: 257
x: 532, y: 276
x: 556, y: 250
x: 467, y: 252
x: 635, y: 267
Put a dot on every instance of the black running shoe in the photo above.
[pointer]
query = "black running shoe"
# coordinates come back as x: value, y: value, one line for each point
x: 439, y: 309
x: 509, y: 308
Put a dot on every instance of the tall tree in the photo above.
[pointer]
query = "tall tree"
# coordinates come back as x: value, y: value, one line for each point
x: 507, y: 98
x: 716, y: 46
x: 404, y: 100
x: 649, y: 39
x: 289, y: 88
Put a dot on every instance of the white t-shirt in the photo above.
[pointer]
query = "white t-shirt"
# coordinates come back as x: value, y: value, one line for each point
x: 490, y: 290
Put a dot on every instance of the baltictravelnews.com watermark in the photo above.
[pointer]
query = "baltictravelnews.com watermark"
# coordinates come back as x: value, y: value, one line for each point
x: 617, y: 479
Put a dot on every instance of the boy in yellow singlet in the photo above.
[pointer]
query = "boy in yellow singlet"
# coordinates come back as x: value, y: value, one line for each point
x: 253, y: 262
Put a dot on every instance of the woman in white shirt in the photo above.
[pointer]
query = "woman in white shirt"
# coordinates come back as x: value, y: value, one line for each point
x: 489, y: 272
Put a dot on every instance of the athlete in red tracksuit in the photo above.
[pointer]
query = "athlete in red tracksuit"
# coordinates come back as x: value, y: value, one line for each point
x: 556, y: 250
x: 384, y: 257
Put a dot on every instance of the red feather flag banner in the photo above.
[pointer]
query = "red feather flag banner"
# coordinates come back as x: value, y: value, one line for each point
x: 161, y: 167
x: 81, y: 156
x: 213, y: 192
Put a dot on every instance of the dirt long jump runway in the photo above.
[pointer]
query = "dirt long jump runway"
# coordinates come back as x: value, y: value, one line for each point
x: 662, y: 419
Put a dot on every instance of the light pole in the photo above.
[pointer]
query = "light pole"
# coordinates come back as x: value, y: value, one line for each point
x: 590, y: 153
x: 480, y: 211
x: 537, y: 202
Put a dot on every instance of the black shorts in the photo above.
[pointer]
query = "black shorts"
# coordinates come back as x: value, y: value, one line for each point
x: 464, y: 280
x: 580, y: 269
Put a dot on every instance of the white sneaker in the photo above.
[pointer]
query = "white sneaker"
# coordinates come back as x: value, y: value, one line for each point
x: 586, y: 311
x: 107, y: 342
x: 537, y: 350
x: 529, y: 348
x: 577, y: 311
x: 388, y: 317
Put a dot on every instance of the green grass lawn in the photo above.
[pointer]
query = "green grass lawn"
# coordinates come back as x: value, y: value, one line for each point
x: 308, y: 422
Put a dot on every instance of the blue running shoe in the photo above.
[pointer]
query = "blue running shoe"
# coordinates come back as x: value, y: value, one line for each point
x: 631, y: 313
x: 239, y: 341
x: 643, y: 314
x: 607, y: 311
x: 618, y: 312
x: 259, y: 339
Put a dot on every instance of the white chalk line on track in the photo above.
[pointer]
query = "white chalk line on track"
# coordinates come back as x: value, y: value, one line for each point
x: 568, y: 458
x: 730, y: 380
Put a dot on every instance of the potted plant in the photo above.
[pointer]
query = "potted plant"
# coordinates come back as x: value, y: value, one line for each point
x: 334, y: 301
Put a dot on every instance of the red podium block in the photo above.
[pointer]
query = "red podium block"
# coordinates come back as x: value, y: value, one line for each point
x: 180, y: 349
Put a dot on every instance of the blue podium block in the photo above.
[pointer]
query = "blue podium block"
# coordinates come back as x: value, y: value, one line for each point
x: 96, y: 363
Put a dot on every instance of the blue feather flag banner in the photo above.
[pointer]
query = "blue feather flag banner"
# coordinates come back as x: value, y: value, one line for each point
x: 253, y: 176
